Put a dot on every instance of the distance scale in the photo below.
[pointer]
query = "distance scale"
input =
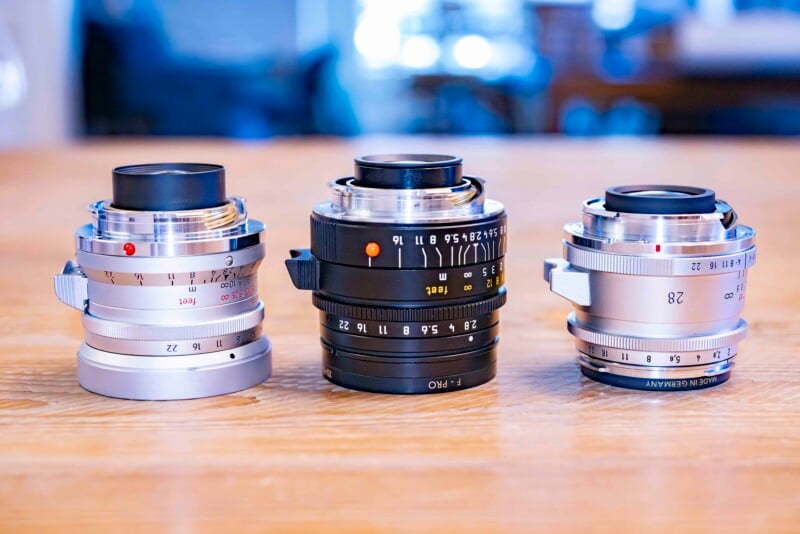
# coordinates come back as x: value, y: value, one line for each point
x: 212, y: 276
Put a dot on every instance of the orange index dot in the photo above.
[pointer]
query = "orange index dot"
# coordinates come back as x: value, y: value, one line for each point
x: 372, y: 249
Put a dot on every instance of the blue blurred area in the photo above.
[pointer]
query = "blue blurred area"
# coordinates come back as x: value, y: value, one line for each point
x: 253, y: 69
x: 203, y: 67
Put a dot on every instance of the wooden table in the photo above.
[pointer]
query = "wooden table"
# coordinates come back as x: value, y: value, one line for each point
x: 538, y: 449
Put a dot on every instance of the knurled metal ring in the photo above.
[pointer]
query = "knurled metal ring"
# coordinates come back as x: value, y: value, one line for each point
x: 199, y: 330
x: 410, y: 315
x: 684, y: 344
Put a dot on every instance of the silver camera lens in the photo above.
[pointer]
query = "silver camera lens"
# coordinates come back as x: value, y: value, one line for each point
x: 166, y: 280
x: 657, y: 275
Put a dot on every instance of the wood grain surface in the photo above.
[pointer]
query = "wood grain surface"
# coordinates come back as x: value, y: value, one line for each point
x: 538, y: 449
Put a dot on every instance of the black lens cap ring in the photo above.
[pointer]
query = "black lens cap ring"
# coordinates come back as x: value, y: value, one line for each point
x: 660, y: 199
x: 408, y: 171
x: 168, y: 186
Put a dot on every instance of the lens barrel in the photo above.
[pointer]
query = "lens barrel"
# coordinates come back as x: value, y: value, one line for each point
x: 407, y: 269
x: 657, y: 276
x: 166, y: 278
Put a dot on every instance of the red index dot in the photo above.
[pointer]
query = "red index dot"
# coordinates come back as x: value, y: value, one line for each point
x: 372, y: 249
x: 658, y: 248
x: 129, y: 248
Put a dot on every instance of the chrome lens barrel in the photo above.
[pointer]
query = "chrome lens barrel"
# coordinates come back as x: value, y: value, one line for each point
x: 170, y: 301
x: 657, y: 296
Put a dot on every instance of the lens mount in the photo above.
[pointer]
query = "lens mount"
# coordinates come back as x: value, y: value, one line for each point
x: 224, y: 228
x: 635, y: 233
x: 462, y: 201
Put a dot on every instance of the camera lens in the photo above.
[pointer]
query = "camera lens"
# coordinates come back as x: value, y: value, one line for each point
x: 657, y: 275
x: 166, y: 280
x: 407, y: 269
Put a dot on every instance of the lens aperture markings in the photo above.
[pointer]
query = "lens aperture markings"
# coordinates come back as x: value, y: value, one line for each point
x: 409, y: 329
x: 408, y: 247
x: 657, y: 359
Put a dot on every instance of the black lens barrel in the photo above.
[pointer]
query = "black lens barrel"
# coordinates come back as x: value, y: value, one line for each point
x: 407, y: 171
x: 406, y: 307
x: 168, y: 186
x: 408, y: 327
x: 436, y: 374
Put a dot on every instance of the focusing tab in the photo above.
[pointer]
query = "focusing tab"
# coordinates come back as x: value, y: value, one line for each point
x: 570, y: 283
x: 72, y: 286
x: 303, y: 269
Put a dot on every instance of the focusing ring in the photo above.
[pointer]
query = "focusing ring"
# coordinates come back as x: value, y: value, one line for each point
x: 433, y: 313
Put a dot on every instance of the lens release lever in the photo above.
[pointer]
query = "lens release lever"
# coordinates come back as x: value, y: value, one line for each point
x: 565, y: 280
x: 303, y: 269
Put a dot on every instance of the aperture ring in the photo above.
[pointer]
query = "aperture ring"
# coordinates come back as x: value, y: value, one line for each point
x: 409, y: 330
x: 172, y: 347
x: 658, y: 266
x: 410, y: 347
x: 198, y: 362
x: 686, y: 344
x: 433, y: 313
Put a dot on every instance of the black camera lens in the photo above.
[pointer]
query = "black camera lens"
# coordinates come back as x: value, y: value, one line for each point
x: 407, y: 269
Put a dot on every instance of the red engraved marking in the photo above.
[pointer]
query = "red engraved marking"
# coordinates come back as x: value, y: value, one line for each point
x: 658, y: 248
x: 129, y: 248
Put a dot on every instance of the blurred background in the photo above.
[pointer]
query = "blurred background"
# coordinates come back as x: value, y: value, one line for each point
x: 253, y: 69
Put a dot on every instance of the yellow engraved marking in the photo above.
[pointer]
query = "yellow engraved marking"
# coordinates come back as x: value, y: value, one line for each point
x: 436, y: 290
